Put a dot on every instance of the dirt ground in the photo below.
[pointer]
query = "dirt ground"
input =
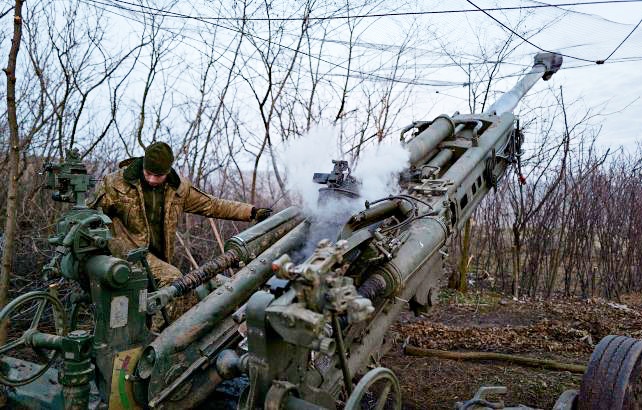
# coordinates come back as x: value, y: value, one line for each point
x: 565, y: 330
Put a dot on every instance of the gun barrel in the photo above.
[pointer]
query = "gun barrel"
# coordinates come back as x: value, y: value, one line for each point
x: 426, y: 141
x: 423, y: 145
x: 219, y: 304
x: 544, y: 66
x: 257, y: 238
x: 240, y: 248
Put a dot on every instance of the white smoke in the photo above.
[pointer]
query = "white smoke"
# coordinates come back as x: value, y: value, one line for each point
x: 303, y: 157
x: 377, y: 170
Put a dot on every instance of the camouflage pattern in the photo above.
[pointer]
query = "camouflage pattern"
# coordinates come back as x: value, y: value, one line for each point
x: 154, y: 210
x: 120, y: 195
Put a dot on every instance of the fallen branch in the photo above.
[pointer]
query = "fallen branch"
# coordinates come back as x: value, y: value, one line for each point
x: 522, y: 360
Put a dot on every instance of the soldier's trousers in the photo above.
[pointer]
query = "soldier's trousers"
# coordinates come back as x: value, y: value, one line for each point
x: 164, y: 273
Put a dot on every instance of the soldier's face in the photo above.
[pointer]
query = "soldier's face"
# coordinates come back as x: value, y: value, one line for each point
x: 154, y: 179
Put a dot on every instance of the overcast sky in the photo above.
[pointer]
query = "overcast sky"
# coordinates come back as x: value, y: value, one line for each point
x: 591, y: 33
x: 618, y: 86
x: 422, y: 32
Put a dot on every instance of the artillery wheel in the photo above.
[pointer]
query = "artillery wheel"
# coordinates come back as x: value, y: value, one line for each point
x: 378, y: 389
x: 28, y: 309
x: 612, y: 380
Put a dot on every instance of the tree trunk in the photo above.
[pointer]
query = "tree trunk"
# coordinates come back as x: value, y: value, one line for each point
x: 517, y: 249
x: 458, y: 280
x: 14, y: 159
x: 521, y: 360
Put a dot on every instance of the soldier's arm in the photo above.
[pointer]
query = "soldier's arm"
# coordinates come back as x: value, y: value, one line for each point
x: 201, y: 203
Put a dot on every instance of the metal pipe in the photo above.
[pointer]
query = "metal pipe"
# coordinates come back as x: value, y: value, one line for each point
x: 420, y: 146
x: 441, y: 158
x: 240, y: 248
x: 368, y: 216
x: 426, y: 236
x: 492, y: 138
x: 341, y: 351
x: 44, y: 340
x: 544, y: 66
x: 200, y: 319
x: 110, y: 270
x: 257, y: 238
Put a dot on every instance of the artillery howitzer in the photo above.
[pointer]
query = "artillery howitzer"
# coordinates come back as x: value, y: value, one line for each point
x: 293, y: 328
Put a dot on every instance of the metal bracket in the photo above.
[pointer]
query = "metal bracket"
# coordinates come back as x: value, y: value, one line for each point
x: 480, y: 399
x: 433, y: 187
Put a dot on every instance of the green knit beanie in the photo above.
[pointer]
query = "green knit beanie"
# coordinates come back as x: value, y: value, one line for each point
x: 158, y: 158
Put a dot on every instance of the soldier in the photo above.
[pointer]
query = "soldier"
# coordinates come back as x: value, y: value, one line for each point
x: 144, y: 200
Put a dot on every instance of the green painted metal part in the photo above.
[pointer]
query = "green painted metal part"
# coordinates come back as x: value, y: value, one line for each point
x: 119, y: 313
x: 117, y: 289
x: 81, y: 232
x: 390, y: 391
x: 256, y: 239
x: 77, y: 371
x: 32, y: 337
x: 429, y: 137
x: 69, y: 180
x: 75, y: 349
x: 207, y: 328
x: 322, y: 319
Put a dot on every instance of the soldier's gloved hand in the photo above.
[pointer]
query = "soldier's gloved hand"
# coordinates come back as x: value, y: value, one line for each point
x: 260, y: 214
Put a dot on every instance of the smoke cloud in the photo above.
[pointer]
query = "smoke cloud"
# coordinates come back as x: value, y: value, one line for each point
x: 377, y: 169
x: 303, y: 157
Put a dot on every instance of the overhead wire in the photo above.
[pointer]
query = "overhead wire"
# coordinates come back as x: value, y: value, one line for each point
x: 445, y: 85
x: 379, y: 15
x: 433, y: 83
x: 355, y: 73
x: 206, y: 19
x: 597, y: 61
x: 622, y: 42
x: 524, y: 38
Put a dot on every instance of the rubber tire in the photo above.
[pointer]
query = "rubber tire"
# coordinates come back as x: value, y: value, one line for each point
x: 612, y: 379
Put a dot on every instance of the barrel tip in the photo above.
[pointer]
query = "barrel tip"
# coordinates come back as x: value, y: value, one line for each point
x: 552, y: 62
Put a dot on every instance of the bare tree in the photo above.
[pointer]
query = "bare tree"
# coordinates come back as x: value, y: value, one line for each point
x: 8, y: 239
x: 274, y: 82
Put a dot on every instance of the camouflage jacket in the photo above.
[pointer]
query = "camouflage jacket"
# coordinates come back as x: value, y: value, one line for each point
x: 120, y: 195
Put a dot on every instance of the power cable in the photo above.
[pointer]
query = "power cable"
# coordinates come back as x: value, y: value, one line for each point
x: 377, y: 15
x: 620, y: 45
x: 435, y: 83
x: 525, y: 39
x: 209, y: 19
x: 356, y: 74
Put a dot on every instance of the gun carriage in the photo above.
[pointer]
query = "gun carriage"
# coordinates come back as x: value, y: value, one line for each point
x: 294, y: 328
